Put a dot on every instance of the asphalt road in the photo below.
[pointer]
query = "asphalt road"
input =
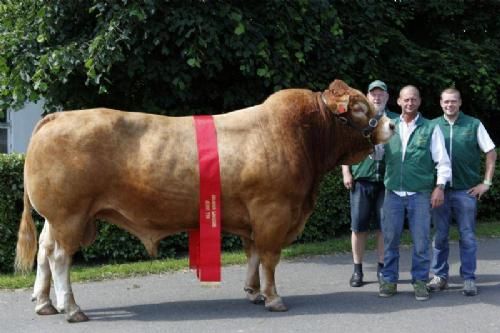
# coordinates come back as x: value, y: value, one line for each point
x: 315, y: 289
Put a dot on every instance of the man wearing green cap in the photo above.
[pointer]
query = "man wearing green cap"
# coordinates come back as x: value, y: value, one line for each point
x: 365, y: 182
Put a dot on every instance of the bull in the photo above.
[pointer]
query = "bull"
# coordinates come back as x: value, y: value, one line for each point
x: 140, y: 172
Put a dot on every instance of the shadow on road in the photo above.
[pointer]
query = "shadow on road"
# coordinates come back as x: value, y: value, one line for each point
x: 299, y: 305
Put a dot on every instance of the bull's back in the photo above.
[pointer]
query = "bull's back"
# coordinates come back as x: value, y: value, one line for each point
x: 101, y: 159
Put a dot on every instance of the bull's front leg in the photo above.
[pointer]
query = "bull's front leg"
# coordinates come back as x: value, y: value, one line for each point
x: 41, y: 290
x: 269, y: 235
x: 273, y: 301
x: 252, y: 283
x: 60, y: 263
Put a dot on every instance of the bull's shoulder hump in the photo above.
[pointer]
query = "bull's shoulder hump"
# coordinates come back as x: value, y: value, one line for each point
x: 243, y: 119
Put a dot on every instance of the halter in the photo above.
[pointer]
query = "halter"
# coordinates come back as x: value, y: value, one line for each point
x: 366, y: 131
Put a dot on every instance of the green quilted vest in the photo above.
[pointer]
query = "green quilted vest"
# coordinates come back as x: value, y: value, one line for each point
x: 463, y: 149
x: 416, y: 172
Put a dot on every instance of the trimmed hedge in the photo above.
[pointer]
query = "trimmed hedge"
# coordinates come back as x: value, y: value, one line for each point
x: 330, y: 218
x: 11, y: 205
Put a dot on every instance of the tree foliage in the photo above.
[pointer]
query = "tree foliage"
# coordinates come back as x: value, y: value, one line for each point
x: 186, y: 57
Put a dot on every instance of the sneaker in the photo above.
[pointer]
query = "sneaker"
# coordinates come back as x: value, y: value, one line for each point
x: 421, y: 291
x: 470, y: 288
x: 356, y: 279
x: 437, y: 283
x: 387, y: 289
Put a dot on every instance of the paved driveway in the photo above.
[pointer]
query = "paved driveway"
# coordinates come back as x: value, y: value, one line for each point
x: 315, y: 289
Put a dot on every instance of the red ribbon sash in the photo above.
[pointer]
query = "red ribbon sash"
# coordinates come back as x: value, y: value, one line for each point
x: 205, y: 242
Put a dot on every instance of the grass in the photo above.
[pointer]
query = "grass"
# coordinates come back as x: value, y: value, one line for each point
x: 114, y: 271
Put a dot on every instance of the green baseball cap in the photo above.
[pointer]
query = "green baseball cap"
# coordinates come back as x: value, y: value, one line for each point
x: 377, y: 84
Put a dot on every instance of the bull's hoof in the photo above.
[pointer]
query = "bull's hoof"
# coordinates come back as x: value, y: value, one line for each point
x: 46, y: 309
x: 255, y: 297
x: 276, y: 305
x: 77, y: 317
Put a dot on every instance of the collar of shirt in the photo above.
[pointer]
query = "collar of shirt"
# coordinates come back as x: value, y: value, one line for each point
x: 449, y: 121
x: 405, y: 130
x: 411, y: 123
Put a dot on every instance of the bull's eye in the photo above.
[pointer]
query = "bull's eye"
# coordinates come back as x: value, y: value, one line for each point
x: 364, y: 107
x: 360, y: 107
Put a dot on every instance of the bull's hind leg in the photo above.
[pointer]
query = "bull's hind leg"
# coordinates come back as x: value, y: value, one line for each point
x: 252, y: 283
x: 41, y: 292
x: 60, y: 263
x: 67, y: 240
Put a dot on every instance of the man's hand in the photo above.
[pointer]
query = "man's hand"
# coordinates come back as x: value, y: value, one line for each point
x: 348, y: 182
x: 478, y: 190
x: 437, y: 197
x: 347, y: 177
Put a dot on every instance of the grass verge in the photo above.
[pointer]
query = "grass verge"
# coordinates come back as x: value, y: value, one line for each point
x: 114, y: 271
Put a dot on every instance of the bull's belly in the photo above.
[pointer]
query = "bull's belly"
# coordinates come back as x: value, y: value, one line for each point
x: 169, y: 220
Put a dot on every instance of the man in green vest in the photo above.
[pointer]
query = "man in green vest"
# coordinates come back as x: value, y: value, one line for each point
x: 411, y: 156
x: 465, y: 138
x: 365, y: 182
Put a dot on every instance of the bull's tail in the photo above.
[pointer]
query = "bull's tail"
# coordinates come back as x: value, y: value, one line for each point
x: 26, y: 238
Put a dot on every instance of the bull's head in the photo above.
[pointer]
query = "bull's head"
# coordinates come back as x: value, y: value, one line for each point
x: 354, y: 110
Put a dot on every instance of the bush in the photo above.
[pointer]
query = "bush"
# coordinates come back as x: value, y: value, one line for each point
x: 11, y: 203
x: 331, y: 215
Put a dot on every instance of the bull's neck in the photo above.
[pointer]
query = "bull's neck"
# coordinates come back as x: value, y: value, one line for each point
x: 319, y: 137
x: 334, y: 143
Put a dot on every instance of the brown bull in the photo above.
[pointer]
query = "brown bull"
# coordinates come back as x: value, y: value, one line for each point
x: 140, y: 172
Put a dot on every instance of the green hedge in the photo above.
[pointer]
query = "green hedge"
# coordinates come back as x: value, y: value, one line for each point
x: 330, y: 218
x: 11, y: 202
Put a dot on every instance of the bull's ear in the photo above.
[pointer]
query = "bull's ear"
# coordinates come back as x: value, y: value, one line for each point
x: 341, y: 104
x: 337, y: 104
x: 339, y: 88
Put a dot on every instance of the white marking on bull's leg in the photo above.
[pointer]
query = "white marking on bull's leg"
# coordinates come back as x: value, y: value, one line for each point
x: 60, y: 263
x: 41, y: 290
x: 252, y: 283
x: 273, y: 301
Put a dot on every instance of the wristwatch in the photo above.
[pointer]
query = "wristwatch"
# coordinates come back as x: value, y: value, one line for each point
x: 441, y: 186
x: 487, y: 182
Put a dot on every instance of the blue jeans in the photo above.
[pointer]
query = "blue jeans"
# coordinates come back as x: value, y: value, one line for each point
x: 367, y: 198
x: 461, y: 207
x: 417, y: 209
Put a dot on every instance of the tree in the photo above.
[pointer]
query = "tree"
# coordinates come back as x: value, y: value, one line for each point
x: 187, y: 57
x: 156, y: 55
